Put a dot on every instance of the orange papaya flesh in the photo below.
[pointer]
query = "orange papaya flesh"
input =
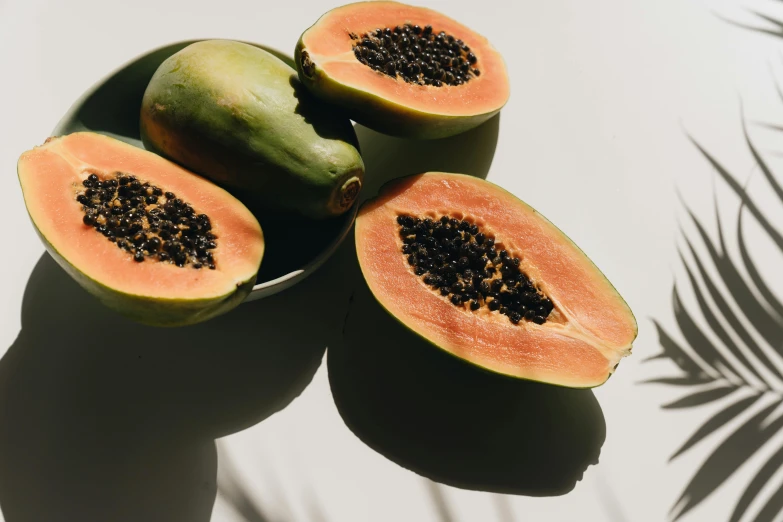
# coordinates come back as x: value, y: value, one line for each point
x: 589, y: 329
x: 386, y: 102
x: 153, y: 291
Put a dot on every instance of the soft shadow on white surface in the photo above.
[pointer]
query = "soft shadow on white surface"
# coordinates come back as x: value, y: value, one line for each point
x: 432, y: 413
x: 104, y: 419
x: 452, y: 422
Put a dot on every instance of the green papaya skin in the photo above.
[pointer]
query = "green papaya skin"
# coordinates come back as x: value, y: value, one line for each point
x: 238, y: 115
x: 153, y: 311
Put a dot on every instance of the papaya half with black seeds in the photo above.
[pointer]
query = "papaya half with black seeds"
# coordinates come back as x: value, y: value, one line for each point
x: 148, y: 238
x: 239, y: 115
x: 483, y: 276
x: 403, y: 70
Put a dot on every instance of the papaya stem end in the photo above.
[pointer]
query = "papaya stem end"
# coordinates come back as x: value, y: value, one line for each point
x: 349, y: 191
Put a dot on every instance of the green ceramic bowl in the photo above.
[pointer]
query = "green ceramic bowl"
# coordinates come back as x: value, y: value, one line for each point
x: 294, y: 249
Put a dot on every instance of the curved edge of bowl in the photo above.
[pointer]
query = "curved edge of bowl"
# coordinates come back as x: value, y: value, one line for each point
x: 74, y: 107
x: 297, y: 276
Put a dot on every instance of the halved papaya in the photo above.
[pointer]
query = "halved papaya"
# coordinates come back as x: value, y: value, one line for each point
x: 482, y: 275
x: 403, y: 70
x: 148, y: 238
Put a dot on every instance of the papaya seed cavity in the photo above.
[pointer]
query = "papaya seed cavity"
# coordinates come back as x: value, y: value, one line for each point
x: 417, y: 54
x: 463, y: 264
x: 147, y: 222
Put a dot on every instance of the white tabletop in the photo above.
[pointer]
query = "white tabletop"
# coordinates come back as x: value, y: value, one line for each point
x: 609, y: 100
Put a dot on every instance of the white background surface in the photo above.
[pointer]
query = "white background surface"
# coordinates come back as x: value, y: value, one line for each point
x: 604, y: 94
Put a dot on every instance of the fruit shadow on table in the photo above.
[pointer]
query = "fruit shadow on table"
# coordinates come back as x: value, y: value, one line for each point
x: 453, y: 422
x: 387, y: 158
x: 432, y: 413
x: 105, y: 419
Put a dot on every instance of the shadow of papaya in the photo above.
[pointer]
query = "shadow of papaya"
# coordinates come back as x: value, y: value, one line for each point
x: 105, y: 419
x: 387, y: 158
x: 455, y: 423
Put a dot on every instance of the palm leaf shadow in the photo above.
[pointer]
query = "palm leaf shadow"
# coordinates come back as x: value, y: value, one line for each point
x: 732, y: 354
x: 247, y: 505
x: 243, y: 502
x: 233, y: 491
x: 765, y: 24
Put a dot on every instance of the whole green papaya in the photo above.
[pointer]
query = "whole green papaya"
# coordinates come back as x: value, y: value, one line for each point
x: 238, y: 115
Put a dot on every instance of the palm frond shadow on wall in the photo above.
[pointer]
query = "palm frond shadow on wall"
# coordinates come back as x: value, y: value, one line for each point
x: 732, y: 354
x: 762, y: 23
